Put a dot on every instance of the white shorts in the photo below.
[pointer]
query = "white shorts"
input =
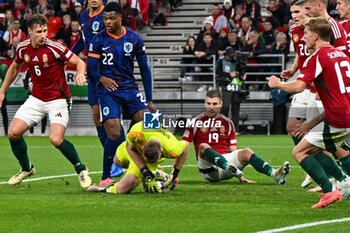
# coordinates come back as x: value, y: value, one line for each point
x: 330, y: 138
x: 315, y: 108
x: 213, y: 173
x: 33, y: 110
x: 305, y: 106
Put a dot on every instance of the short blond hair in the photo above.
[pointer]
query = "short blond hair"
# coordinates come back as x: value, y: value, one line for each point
x: 321, y: 27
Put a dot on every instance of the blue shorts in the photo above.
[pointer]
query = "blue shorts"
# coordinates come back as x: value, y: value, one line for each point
x: 92, y: 95
x: 130, y: 100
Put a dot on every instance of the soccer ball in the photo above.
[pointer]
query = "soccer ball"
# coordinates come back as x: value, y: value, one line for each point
x: 161, y: 173
x: 163, y: 177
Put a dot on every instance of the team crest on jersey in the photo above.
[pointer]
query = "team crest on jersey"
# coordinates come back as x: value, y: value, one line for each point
x: 26, y: 57
x: 45, y: 58
x: 95, y: 26
x: 91, y: 48
x: 105, y: 111
x: 204, y: 129
x: 128, y: 47
x: 222, y: 129
x: 295, y: 38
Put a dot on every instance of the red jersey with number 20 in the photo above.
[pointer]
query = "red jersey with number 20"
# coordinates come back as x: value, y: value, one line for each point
x: 329, y: 69
x: 218, y: 132
x: 296, y: 35
x: 46, y: 66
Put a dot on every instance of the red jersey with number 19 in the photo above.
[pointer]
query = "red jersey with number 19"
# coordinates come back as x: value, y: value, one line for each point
x: 218, y: 132
x: 46, y: 66
x: 329, y: 69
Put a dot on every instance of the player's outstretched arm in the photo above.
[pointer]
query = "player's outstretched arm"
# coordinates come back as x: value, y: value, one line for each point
x: 11, y: 75
x: 295, y: 86
x: 146, y: 77
x: 244, y: 180
x: 80, y: 78
x: 135, y: 156
x: 287, y: 74
x: 178, y: 164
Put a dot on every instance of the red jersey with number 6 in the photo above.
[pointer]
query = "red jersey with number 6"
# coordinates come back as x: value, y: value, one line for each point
x: 46, y: 66
x: 218, y: 132
x: 329, y: 69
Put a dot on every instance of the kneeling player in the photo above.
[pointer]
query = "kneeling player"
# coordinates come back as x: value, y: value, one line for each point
x: 214, y: 140
x: 142, y: 154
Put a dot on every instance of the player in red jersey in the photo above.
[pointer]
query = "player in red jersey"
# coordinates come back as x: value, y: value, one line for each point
x: 316, y: 8
x: 298, y: 109
x: 343, y: 7
x: 304, y: 106
x: 45, y: 59
x: 214, y: 139
x: 328, y: 68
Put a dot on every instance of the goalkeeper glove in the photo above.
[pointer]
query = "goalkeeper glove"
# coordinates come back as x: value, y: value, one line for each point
x: 172, y: 181
x: 151, y: 183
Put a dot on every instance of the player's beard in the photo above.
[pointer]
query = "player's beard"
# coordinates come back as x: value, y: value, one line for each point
x: 311, y: 50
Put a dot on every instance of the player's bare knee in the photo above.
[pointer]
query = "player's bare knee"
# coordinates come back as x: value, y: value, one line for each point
x: 290, y: 129
x: 203, y: 147
x: 56, y: 140
x: 115, y: 135
x: 244, y: 156
x: 296, y: 155
x: 13, y: 135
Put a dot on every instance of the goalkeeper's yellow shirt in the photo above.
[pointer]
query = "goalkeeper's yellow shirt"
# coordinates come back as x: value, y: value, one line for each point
x: 138, y: 136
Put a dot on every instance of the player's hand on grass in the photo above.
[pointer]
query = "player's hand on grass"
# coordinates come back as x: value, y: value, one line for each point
x: 108, y: 83
x: 80, y: 80
x: 171, y: 184
x: 244, y: 180
x: 153, y: 185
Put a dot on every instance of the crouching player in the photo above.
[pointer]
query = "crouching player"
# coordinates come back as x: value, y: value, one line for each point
x: 141, y: 154
x: 214, y: 139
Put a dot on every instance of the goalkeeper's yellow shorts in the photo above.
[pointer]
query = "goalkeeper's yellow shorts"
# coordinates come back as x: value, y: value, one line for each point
x: 124, y: 157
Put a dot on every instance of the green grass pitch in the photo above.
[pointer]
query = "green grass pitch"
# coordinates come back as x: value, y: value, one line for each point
x: 61, y: 205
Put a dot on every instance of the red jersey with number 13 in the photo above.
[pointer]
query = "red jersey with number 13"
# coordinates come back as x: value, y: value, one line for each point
x: 46, y: 66
x: 218, y: 132
x: 329, y: 69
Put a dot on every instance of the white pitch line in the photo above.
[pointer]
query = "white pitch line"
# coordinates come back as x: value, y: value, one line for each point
x: 50, y: 177
x: 305, y: 225
x: 97, y: 172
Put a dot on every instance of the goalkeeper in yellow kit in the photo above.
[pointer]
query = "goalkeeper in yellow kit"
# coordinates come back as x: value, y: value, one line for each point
x: 141, y: 154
